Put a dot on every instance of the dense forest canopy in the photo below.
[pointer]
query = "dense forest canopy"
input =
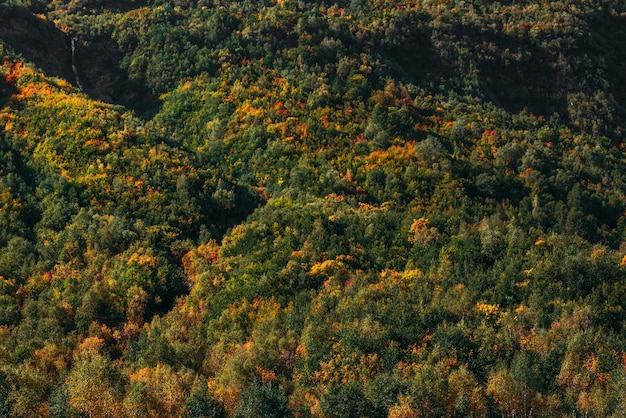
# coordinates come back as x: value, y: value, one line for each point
x: 312, y: 209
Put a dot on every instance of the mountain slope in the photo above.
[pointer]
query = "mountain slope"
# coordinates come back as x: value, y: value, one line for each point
x: 363, y: 209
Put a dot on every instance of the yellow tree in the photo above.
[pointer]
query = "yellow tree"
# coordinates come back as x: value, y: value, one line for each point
x: 502, y: 388
x: 159, y: 391
x: 94, y: 383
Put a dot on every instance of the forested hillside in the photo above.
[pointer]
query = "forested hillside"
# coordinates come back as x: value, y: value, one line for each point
x: 275, y: 208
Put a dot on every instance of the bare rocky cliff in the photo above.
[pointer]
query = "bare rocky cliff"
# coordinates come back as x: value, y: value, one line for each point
x: 37, y: 41
x: 94, y: 69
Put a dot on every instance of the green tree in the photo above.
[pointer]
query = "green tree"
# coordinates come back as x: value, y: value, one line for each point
x: 262, y: 400
x: 201, y: 404
x: 347, y: 400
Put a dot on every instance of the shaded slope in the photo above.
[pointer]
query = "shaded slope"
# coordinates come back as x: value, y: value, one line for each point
x: 49, y: 48
x: 37, y: 40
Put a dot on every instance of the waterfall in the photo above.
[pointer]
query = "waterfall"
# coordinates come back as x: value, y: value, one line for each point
x: 80, y: 86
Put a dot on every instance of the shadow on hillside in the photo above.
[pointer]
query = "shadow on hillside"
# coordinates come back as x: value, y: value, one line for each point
x: 36, y: 40
x: 522, y: 74
x: 97, y: 65
x: 6, y: 91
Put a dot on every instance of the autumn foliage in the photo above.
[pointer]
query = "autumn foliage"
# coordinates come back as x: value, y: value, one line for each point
x: 360, y: 209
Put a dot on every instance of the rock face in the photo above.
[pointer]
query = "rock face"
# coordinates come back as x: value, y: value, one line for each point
x: 95, y: 70
x: 38, y: 41
x: 99, y: 73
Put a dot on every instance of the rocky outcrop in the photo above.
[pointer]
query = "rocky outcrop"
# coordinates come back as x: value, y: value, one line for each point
x: 94, y: 69
x: 37, y: 41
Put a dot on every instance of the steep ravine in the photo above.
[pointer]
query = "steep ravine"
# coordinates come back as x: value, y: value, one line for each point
x: 91, y: 66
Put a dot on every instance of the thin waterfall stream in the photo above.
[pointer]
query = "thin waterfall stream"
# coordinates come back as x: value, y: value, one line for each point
x: 78, y: 83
